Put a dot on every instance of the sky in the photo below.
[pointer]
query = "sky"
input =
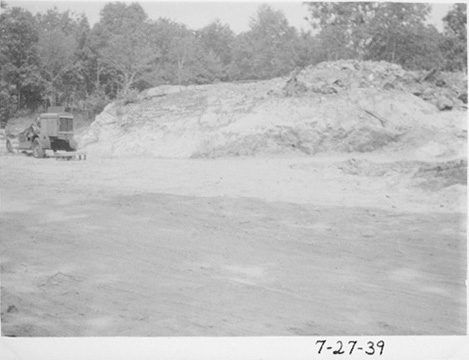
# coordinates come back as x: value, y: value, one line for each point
x: 199, y: 14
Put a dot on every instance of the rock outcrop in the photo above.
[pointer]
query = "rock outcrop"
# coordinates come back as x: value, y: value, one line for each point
x: 346, y: 106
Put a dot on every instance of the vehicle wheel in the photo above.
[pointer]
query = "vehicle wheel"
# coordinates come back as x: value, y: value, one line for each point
x: 9, y: 147
x: 38, y: 151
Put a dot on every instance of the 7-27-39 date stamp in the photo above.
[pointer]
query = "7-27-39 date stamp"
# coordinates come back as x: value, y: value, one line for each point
x: 350, y: 347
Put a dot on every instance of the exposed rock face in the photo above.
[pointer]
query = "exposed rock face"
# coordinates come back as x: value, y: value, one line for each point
x: 363, y: 107
x: 443, y: 103
x: 333, y: 77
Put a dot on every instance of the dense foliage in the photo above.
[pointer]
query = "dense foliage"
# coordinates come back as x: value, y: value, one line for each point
x: 390, y: 31
x: 58, y: 58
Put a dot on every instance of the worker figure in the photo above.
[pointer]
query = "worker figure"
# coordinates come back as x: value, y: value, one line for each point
x: 36, y: 125
x: 35, y: 128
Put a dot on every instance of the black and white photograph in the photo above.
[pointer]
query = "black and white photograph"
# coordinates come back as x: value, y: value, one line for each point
x: 234, y: 169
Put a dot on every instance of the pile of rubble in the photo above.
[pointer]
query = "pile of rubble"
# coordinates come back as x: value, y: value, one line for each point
x: 446, y: 91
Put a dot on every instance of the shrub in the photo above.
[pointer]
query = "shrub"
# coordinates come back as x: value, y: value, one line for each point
x: 128, y: 96
x: 96, y: 102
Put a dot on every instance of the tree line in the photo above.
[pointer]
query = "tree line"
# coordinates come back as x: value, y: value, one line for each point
x: 57, y: 58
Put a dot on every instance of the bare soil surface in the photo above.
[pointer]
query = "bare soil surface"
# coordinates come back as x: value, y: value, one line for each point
x: 231, y: 247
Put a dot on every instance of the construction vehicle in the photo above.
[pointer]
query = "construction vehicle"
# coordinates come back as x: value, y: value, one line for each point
x: 52, y: 130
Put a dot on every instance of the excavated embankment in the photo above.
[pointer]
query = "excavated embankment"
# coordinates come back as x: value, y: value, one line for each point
x: 333, y: 107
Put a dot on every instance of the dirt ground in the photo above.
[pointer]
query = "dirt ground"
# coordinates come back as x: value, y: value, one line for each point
x: 228, y: 247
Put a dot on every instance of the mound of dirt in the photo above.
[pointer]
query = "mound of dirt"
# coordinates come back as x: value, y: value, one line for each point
x: 442, y: 175
x: 423, y: 174
x: 246, y: 119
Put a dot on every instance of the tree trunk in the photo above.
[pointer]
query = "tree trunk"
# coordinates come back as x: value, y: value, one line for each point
x: 393, y: 52
x: 180, y: 66
x: 125, y: 85
x: 18, y: 103
x: 128, y: 80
